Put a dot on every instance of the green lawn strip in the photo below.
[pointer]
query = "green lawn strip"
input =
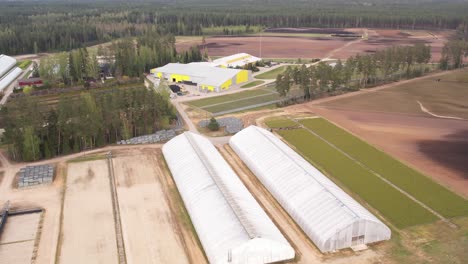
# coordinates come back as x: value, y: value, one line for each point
x: 242, y: 103
x: 392, y: 204
x: 252, y: 84
x: 227, y: 97
x: 24, y: 64
x: 419, y: 186
x: 279, y: 122
x: 271, y: 74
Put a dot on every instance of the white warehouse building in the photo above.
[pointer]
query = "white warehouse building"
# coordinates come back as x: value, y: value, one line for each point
x: 231, y: 225
x: 331, y: 218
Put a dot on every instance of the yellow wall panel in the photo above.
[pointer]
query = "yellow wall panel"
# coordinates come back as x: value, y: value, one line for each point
x: 226, y: 84
x: 242, y: 76
x: 179, y: 78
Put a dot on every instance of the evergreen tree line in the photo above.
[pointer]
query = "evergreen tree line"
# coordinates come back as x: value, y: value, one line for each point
x: 356, y: 72
x: 63, y: 26
x: 127, y: 57
x: 90, y: 120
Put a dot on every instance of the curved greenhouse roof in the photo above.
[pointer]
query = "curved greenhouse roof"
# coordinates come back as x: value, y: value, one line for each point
x: 330, y: 217
x: 6, y: 63
x: 231, y: 225
x: 9, y: 78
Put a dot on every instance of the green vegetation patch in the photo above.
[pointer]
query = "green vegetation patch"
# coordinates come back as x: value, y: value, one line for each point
x: 252, y: 84
x: 271, y: 74
x: 228, y: 97
x: 421, y: 187
x: 90, y: 157
x: 246, y: 102
x: 24, y: 64
x: 280, y: 122
x: 393, y: 205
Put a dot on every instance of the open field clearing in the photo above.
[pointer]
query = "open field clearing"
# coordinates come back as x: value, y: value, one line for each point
x: 18, y: 237
x: 150, y: 228
x: 447, y: 97
x: 237, y: 101
x: 422, y: 188
x: 88, y: 232
x: 311, y: 44
x: 400, y: 210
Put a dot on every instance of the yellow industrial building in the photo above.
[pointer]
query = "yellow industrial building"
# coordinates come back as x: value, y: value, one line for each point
x: 204, y: 76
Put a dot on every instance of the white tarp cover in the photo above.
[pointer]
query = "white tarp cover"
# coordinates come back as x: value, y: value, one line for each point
x: 6, y: 63
x: 330, y: 217
x: 9, y: 78
x: 231, y: 225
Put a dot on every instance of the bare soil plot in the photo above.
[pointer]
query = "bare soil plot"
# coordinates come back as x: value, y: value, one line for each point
x: 150, y: 229
x: 445, y: 94
x: 317, y: 43
x: 382, y: 38
x: 18, y: 237
x: 88, y: 232
x: 272, y: 46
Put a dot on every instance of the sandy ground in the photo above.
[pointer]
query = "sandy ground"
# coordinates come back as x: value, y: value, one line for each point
x: 88, y: 234
x: 306, y: 252
x: 18, y: 237
x: 150, y: 231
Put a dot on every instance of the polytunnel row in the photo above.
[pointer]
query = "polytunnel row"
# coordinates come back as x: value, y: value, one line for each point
x: 231, y: 225
x: 330, y: 217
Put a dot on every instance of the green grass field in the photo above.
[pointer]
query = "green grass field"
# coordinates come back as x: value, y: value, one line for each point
x: 393, y: 205
x: 419, y: 186
x: 237, y: 100
x: 252, y: 84
x: 272, y: 73
x: 279, y: 122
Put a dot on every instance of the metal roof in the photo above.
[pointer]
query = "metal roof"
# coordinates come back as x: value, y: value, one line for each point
x: 328, y: 215
x: 210, y: 75
x: 239, y: 59
x: 231, y: 225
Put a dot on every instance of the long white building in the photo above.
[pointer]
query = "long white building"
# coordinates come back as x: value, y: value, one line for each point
x: 231, y: 225
x: 8, y: 71
x: 330, y: 217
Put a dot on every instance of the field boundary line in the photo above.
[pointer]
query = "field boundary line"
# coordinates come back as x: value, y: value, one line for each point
x: 237, y: 100
x: 441, y: 217
x: 425, y: 110
x: 116, y: 212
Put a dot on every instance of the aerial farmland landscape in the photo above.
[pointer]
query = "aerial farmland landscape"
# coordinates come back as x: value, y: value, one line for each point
x: 238, y: 131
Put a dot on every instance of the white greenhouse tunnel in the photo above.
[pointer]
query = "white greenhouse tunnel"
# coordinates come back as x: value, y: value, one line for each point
x: 330, y: 217
x: 231, y: 225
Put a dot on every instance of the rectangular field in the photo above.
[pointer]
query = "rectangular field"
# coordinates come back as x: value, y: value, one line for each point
x: 393, y: 205
x: 18, y: 237
x: 149, y: 226
x: 88, y: 231
x: 231, y: 102
x: 421, y: 187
